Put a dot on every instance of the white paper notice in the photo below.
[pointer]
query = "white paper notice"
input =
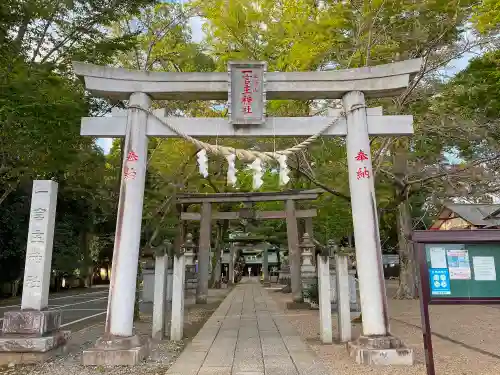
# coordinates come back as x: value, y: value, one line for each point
x: 484, y: 268
x: 458, y: 264
x: 438, y: 257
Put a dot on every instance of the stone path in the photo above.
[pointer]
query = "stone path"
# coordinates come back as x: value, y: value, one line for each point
x: 248, y: 335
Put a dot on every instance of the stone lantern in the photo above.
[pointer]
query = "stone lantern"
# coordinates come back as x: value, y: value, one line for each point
x: 188, y: 249
x: 307, y: 269
x: 331, y: 249
x: 189, y: 253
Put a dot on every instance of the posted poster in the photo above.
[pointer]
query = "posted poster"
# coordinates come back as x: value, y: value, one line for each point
x: 438, y: 257
x: 440, y: 281
x: 484, y: 268
x: 458, y: 264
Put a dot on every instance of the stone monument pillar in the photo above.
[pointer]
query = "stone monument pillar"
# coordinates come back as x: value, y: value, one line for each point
x: 307, y: 269
x: 30, y: 335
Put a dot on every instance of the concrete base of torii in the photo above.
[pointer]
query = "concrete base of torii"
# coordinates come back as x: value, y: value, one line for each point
x: 116, y: 351
x: 382, y: 351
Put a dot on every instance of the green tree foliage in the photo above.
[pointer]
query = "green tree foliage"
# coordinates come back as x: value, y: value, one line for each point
x: 486, y: 16
x: 40, y: 109
x: 354, y: 34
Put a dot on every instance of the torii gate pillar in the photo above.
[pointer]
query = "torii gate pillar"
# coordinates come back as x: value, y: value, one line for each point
x: 119, y: 345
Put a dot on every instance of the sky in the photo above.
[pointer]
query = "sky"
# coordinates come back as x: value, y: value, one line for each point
x: 196, y: 24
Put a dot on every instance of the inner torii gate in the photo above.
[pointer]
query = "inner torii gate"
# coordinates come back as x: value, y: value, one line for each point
x: 357, y: 124
x: 290, y: 214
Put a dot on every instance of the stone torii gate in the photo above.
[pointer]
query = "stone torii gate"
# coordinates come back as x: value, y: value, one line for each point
x: 205, y: 217
x: 353, y: 86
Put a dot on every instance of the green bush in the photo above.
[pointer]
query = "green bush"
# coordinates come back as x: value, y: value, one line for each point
x: 311, y: 293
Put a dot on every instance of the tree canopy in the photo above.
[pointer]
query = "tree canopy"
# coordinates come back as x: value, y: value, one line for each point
x: 41, y: 103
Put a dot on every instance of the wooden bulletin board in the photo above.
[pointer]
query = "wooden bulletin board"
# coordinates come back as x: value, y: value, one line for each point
x: 477, y: 275
x: 467, y: 261
x: 472, y: 261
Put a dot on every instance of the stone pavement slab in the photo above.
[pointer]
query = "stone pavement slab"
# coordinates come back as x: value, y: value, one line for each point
x: 248, y: 335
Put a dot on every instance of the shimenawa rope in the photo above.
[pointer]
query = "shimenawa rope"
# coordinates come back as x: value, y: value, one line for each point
x: 249, y: 155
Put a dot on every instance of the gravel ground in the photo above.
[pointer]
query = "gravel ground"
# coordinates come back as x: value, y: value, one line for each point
x: 162, y: 355
x: 465, y: 338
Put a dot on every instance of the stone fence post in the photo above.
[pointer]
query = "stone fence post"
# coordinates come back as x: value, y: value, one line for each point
x: 325, y: 309
x: 162, y: 254
x: 177, y: 322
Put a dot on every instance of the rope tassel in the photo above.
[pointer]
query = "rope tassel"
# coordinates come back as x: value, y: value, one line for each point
x: 203, y: 162
x: 284, y: 179
x: 231, y: 169
x: 256, y: 167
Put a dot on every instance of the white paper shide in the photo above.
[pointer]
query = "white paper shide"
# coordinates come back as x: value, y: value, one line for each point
x: 231, y: 169
x: 203, y: 162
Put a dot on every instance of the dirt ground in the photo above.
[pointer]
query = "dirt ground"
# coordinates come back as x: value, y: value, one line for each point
x: 465, y: 338
x: 163, y: 353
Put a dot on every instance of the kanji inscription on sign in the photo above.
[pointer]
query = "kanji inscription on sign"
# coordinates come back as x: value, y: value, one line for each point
x: 247, y: 95
x: 361, y: 156
x: 132, y: 156
x: 362, y: 173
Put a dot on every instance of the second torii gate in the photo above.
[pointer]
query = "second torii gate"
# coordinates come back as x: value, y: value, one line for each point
x: 357, y: 124
x: 290, y: 214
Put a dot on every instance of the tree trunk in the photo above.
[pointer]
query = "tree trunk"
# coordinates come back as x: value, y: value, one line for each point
x: 215, y: 279
x: 86, y: 266
x: 407, y: 274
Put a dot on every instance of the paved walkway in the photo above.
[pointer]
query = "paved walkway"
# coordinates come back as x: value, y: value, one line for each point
x: 247, y: 335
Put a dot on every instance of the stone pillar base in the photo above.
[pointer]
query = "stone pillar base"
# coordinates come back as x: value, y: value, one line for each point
x: 28, y: 358
x: 380, y: 351
x: 31, y: 336
x: 29, y: 343
x: 116, y: 351
x: 31, y: 322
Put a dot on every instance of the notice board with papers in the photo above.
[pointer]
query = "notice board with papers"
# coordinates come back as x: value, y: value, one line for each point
x: 459, y: 265
x: 472, y: 269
